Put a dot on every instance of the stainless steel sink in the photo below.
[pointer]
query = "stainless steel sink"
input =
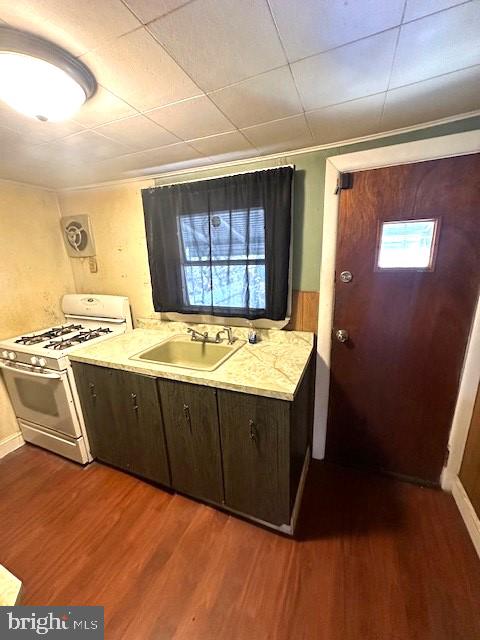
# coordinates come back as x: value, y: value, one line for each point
x: 180, y: 351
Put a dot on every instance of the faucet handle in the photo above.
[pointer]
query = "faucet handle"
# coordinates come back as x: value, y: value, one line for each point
x: 229, y: 331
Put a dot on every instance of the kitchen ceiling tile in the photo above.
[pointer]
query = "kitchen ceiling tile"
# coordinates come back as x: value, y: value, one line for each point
x: 148, y: 10
x: 219, y: 47
x: 420, y: 8
x: 101, y: 108
x: 353, y: 71
x: 76, y: 26
x: 192, y: 118
x: 226, y: 143
x: 32, y: 131
x: 87, y: 146
x: 308, y: 27
x: 9, y: 138
x: 281, y: 135
x: 151, y: 161
x: 138, y: 133
x: 440, y: 43
x: 138, y: 70
x: 270, y: 96
x: 348, y: 120
x: 457, y: 92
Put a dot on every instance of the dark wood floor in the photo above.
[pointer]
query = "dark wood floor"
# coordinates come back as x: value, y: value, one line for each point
x: 375, y: 559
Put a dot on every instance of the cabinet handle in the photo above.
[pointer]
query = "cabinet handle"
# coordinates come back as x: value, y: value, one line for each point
x: 253, y: 431
x: 93, y: 393
x: 188, y: 420
x: 133, y: 396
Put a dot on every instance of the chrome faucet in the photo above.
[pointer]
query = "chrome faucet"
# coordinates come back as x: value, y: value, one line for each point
x: 204, y: 337
x: 229, y: 332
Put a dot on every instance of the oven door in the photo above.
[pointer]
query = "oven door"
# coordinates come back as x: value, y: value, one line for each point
x: 42, y: 396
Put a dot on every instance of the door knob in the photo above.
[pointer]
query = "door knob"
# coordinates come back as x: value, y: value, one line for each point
x: 341, y: 335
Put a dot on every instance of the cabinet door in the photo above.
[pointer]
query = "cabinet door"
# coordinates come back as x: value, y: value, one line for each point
x: 147, y: 455
x: 193, y: 442
x: 255, y: 445
x: 123, y: 420
x: 103, y: 412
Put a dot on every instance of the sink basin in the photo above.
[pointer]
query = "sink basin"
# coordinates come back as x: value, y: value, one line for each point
x: 181, y: 351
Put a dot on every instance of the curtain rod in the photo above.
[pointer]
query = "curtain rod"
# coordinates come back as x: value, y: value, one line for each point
x: 225, y: 175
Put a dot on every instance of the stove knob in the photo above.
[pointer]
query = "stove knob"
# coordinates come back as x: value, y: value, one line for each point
x: 42, y: 362
x: 5, y: 354
x: 12, y: 355
x: 34, y: 360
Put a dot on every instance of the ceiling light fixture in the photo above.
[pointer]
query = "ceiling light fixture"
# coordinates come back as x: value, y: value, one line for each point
x: 40, y: 79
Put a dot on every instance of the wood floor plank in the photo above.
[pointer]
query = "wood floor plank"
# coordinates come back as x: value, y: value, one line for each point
x: 374, y: 558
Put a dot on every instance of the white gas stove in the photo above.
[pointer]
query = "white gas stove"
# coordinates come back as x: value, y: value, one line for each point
x: 39, y: 378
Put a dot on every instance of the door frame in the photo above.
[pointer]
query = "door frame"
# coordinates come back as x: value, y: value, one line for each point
x: 409, y: 152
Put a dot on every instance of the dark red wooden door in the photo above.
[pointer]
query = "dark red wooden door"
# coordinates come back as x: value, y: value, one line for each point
x: 394, y: 381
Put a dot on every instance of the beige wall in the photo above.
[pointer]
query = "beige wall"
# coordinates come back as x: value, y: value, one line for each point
x: 116, y: 215
x: 34, y: 269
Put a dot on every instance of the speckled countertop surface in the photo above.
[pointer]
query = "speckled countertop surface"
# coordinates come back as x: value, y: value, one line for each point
x: 273, y: 367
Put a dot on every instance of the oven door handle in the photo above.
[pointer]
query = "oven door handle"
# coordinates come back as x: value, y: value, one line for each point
x: 29, y: 372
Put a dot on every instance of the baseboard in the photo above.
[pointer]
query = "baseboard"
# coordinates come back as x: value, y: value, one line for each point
x: 467, y: 512
x: 10, y: 443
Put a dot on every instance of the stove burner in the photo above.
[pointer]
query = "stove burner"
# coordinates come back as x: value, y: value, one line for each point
x: 82, y: 336
x: 54, y: 332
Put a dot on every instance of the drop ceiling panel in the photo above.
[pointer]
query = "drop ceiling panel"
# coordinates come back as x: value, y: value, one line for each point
x: 152, y: 160
x: 353, y: 71
x: 281, y: 135
x: 346, y: 121
x: 457, y: 92
x: 312, y: 26
x: 418, y: 8
x: 87, y: 146
x: 138, y: 70
x: 193, y: 118
x: 76, y: 26
x: 148, y: 10
x: 32, y: 131
x: 440, y: 43
x: 9, y: 139
x: 138, y: 132
x: 219, y: 44
x: 152, y: 95
x: 269, y: 96
x: 103, y: 107
x: 226, y: 143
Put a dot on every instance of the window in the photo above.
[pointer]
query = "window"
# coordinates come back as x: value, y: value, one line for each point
x: 407, y: 244
x: 221, y: 247
x: 223, y: 254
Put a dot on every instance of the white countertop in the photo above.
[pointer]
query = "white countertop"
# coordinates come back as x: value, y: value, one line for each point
x: 273, y: 367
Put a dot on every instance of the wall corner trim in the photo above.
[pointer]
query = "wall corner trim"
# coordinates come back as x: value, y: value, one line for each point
x: 10, y: 443
x: 467, y: 512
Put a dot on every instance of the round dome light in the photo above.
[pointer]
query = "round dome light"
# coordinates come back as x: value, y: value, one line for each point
x: 39, y: 79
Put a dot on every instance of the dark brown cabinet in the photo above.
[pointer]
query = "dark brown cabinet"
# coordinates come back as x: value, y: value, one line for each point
x: 255, y: 444
x: 123, y: 420
x: 241, y: 451
x: 193, y: 441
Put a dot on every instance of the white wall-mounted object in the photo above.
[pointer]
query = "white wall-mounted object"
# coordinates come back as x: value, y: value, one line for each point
x: 78, y: 235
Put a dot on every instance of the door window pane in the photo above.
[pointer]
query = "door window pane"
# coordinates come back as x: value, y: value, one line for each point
x: 407, y: 244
